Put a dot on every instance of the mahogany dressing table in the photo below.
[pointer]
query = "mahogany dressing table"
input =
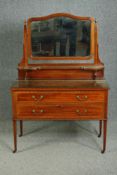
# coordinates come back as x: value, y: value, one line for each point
x: 60, y: 76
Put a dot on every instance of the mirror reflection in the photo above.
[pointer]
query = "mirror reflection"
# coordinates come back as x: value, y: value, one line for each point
x: 60, y: 36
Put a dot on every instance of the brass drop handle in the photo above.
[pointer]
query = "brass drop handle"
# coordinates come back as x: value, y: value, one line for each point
x: 81, y: 99
x: 40, y: 98
x: 78, y: 111
x: 41, y: 111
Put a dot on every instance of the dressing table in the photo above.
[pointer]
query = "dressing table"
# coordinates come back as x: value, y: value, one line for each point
x: 60, y: 76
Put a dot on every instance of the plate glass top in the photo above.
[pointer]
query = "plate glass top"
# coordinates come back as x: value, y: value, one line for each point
x: 83, y: 84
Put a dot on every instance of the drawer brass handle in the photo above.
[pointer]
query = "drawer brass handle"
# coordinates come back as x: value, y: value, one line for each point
x: 81, y: 99
x: 41, y: 111
x: 40, y: 98
x: 85, y: 110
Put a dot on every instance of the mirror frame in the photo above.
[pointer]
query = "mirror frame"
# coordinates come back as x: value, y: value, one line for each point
x: 92, y: 38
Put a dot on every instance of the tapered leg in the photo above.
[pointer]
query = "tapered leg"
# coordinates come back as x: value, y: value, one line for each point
x: 15, y: 135
x: 100, y: 128
x: 21, y: 128
x: 104, y: 135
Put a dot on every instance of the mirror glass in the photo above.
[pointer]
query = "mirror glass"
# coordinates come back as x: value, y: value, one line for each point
x: 60, y: 36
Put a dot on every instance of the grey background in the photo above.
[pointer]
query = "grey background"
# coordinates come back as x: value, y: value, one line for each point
x: 56, y: 147
x: 12, y: 15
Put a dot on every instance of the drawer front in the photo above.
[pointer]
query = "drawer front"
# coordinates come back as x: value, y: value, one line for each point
x: 45, y: 97
x: 60, y: 111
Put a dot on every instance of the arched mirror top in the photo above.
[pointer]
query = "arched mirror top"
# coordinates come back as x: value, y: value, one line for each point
x: 61, y: 36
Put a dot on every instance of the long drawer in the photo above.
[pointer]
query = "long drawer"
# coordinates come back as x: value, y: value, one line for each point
x: 53, y: 97
x: 61, y: 111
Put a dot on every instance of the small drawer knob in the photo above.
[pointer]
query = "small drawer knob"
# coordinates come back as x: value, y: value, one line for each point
x: 33, y: 111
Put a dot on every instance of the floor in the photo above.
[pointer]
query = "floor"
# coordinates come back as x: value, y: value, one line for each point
x: 58, y: 148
